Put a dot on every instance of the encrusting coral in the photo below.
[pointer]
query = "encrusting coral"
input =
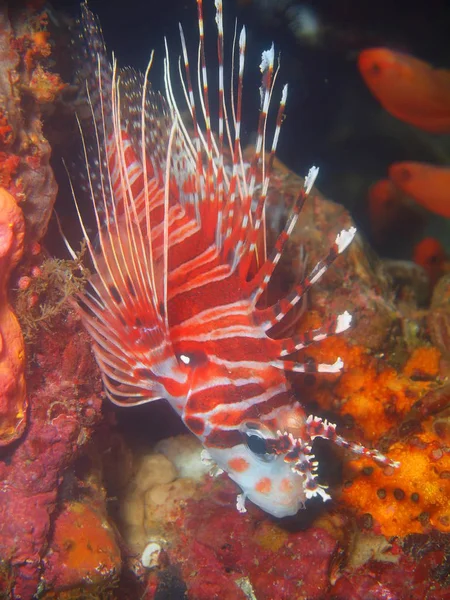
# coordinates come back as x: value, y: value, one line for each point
x: 63, y: 389
x: 381, y: 403
x: 65, y: 409
x: 26, y: 85
x: 414, y: 499
x: 83, y: 550
x: 13, y: 402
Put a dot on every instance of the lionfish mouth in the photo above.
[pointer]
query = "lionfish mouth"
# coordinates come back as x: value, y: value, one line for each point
x: 181, y: 264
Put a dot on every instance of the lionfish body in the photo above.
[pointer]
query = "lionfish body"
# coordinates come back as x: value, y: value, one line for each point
x: 175, y: 308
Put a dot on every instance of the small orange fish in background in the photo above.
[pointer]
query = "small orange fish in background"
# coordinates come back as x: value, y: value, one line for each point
x: 385, y: 207
x: 427, y: 184
x: 389, y: 212
x: 431, y: 255
x: 408, y: 88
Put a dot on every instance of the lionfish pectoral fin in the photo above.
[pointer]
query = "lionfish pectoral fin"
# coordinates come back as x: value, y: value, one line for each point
x: 214, y: 469
x: 127, y: 395
x: 317, y: 427
x: 240, y: 503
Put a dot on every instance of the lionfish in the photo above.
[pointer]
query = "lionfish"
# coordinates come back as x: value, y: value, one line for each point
x: 176, y: 306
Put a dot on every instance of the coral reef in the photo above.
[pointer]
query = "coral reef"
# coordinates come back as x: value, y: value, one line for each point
x: 180, y: 533
x: 414, y: 499
x: 83, y: 549
x: 13, y: 402
x: 87, y: 511
x: 40, y: 298
x: 26, y: 85
x: 63, y: 386
x: 201, y: 546
x: 439, y: 316
x: 181, y: 529
x: 63, y: 390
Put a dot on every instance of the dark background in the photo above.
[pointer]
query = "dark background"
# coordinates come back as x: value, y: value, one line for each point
x: 332, y: 120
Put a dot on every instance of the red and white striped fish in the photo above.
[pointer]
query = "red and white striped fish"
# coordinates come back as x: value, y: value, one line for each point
x: 174, y: 308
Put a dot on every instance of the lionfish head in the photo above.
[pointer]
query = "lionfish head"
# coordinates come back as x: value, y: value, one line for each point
x: 176, y: 305
x: 257, y: 463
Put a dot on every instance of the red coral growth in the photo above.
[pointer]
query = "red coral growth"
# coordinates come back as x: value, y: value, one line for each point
x: 26, y: 83
x: 9, y: 163
x: 213, y: 552
x: 405, y: 580
x: 217, y: 549
x: 13, y: 400
x: 6, y: 131
x: 62, y: 418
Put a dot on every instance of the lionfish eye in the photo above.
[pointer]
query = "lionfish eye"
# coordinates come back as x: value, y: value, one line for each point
x: 257, y: 443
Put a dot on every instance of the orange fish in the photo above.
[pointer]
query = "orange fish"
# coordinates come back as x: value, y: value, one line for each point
x: 430, y: 254
x: 390, y: 212
x: 408, y: 88
x: 385, y: 207
x: 428, y: 185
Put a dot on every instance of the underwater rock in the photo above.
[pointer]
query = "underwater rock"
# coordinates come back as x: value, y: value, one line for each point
x: 83, y: 551
x: 25, y: 85
x: 13, y: 401
x: 215, y: 547
x: 154, y: 469
x: 356, y: 282
x: 184, y: 452
x: 63, y: 415
x: 410, y: 282
x: 439, y: 316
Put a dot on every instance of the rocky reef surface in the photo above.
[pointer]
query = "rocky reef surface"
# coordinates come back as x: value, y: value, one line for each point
x: 90, y: 510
